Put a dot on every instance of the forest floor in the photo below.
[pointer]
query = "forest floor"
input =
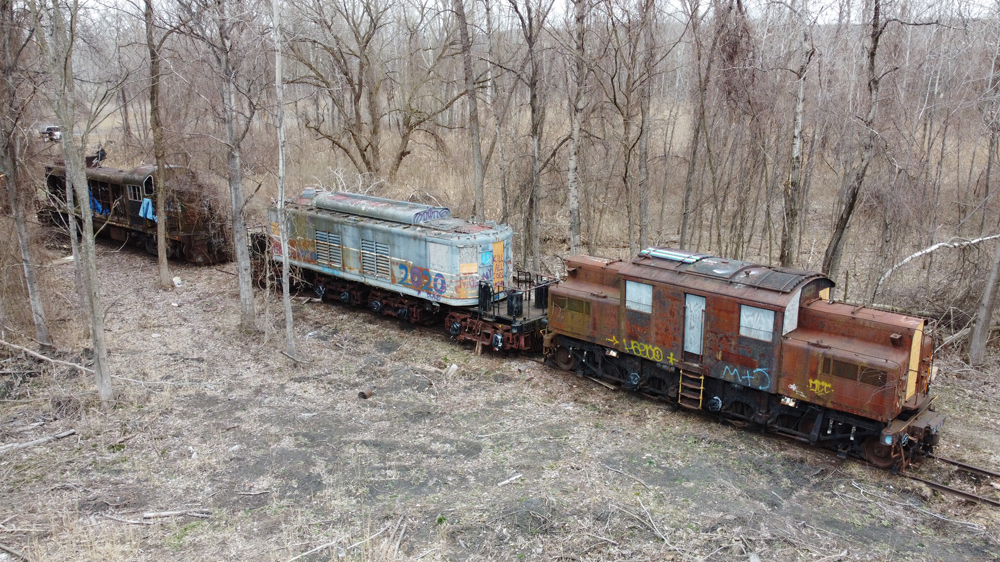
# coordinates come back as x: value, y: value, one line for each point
x: 506, y: 459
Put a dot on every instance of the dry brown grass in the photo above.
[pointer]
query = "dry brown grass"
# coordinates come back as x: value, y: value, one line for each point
x: 289, y: 459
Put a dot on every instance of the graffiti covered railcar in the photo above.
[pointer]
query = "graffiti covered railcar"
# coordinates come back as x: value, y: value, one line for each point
x: 123, y: 206
x: 752, y: 343
x: 412, y: 261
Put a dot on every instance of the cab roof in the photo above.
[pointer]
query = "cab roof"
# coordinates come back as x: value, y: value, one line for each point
x: 708, y: 274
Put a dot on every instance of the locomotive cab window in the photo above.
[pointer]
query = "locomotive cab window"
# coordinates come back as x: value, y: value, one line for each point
x: 872, y: 376
x: 839, y: 369
x: 148, y: 189
x: 134, y: 193
x: 568, y: 304
x: 756, y: 323
x: 639, y: 297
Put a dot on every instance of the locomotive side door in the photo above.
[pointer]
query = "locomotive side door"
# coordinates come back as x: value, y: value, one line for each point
x: 694, y: 326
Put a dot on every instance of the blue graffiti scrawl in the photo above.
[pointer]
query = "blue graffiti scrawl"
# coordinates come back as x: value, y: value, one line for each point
x: 757, y: 378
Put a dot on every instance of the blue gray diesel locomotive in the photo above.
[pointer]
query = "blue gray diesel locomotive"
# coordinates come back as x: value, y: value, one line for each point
x: 415, y: 262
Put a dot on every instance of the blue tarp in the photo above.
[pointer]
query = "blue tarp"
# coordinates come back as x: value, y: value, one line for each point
x: 146, y: 210
x: 96, y: 205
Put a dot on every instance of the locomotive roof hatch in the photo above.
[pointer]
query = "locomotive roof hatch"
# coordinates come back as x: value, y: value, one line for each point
x: 764, y: 284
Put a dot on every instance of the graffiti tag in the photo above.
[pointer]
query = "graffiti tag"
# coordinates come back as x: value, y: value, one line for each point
x: 644, y: 350
x: 757, y: 378
x: 432, y: 214
x: 422, y: 280
x: 821, y: 388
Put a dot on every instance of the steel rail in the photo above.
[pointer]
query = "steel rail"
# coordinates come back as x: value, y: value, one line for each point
x: 950, y: 490
x: 967, y: 467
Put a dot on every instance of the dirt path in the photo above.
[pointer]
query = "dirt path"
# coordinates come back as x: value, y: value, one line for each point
x: 504, y: 460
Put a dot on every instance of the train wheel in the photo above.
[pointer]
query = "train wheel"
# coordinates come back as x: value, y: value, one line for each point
x: 376, y: 306
x: 564, y: 359
x: 878, y: 453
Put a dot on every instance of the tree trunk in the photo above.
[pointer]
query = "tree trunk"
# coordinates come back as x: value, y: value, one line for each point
x: 159, y: 148
x: 981, y: 330
x: 697, y: 127
x: 491, y: 90
x: 12, y: 109
x: 644, y: 125
x: 576, y: 116
x: 279, y: 99
x: 788, y: 252
x: 478, y: 209
x: 58, y: 48
x: 835, y: 249
x: 234, y: 141
x: 531, y: 26
x: 9, y: 158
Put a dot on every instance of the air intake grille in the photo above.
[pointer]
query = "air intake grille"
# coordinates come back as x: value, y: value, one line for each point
x: 375, y: 258
x: 328, y: 250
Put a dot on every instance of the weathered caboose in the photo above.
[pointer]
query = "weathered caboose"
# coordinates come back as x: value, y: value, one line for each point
x: 753, y: 343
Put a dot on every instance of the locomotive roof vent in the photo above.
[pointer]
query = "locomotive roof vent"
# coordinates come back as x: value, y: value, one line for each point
x: 403, y: 212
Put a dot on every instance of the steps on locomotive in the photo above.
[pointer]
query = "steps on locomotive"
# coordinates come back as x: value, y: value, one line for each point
x: 691, y: 391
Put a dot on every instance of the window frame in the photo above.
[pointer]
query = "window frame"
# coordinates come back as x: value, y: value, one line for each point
x: 635, y: 287
x: 748, y: 330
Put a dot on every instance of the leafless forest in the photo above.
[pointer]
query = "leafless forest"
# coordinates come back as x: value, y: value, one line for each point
x: 836, y: 136
x: 859, y: 138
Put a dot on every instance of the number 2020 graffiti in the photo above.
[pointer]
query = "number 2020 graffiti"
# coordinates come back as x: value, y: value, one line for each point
x: 421, y: 280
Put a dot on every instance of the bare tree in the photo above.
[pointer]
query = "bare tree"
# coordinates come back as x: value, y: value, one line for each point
x: 478, y: 209
x: 849, y: 198
x: 58, y: 20
x: 279, y: 99
x: 159, y: 145
x: 703, y: 71
x: 984, y: 314
x: 792, y: 193
x: 531, y: 18
x: 577, y: 104
x: 17, y: 90
x: 231, y: 34
x: 374, y: 72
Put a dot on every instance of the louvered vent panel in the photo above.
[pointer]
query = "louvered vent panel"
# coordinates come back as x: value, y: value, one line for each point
x: 368, y: 259
x: 323, y: 247
x: 336, y: 251
x: 382, y: 260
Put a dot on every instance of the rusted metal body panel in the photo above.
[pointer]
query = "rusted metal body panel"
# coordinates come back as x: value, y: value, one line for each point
x: 878, y: 343
x: 724, y: 285
x: 426, y: 255
x: 586, y: 304
x: 752, y: 343
x: 784, y: 355
x: 123, y: 204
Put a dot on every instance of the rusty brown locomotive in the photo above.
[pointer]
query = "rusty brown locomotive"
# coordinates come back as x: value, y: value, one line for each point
x: 123, y: 206
x: 759, y: 345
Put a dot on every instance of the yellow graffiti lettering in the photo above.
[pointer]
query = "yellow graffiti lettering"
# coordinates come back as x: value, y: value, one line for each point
x: 820, y: 387
x: 671, y: 358
x: 612, y: 339
x: 644, y: 350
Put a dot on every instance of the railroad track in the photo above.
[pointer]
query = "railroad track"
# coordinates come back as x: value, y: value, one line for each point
x: 977, y: 476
